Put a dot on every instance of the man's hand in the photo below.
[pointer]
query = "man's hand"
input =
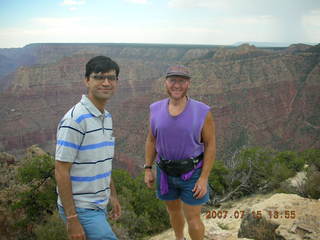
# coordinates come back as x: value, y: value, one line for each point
x: 149, y: 178
x: 200, y: 188
x: 75, y: 229
x: 116, y: 208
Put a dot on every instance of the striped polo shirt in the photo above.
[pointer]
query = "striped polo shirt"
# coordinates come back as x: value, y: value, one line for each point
x: 84, y: 137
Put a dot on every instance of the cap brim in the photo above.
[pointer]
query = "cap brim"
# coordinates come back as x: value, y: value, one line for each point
x: 178, y: 75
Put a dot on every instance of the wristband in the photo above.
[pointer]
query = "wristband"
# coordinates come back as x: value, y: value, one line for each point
x: 147, y: 167
x: 72, y: 216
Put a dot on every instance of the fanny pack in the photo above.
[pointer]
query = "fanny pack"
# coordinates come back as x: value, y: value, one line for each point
x: 178, y: 167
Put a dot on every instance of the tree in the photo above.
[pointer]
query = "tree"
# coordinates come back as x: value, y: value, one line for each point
x: 253, y: 170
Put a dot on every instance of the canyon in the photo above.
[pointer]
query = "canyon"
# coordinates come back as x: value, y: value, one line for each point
x: 266, y: 97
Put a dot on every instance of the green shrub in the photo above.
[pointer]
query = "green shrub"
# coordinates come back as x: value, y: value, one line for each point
x: 217, y: 177
x: 311, y: 157
x: 140, y: 207
x: 254, y: 165
x: 52, y: 229
x: 291, y: 160
x: 280, y: 172
x: 258, y: 170
x: 39, y: 195
x: 312, y: 186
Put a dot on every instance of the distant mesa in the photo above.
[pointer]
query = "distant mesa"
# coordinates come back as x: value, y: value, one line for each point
x: 270, y: 44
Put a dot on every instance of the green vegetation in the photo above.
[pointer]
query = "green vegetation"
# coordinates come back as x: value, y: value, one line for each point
x: 218, y: 179
x: 311, y: 187
x: 142, y: 213
x: 39, y: 195
x: 257, y: 170
x: 32, y: 210
x: 28, y: 204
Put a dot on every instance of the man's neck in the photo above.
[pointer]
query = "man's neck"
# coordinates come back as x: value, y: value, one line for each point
x: 98, y: 104
x: 178, y: 102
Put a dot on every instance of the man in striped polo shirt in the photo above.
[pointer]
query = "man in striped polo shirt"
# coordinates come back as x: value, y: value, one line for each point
x: 84, y: 153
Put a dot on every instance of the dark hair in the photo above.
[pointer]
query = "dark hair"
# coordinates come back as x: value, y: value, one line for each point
x: 101, y: 64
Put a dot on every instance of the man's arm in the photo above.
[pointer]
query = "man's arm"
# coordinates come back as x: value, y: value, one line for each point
x: 62, y: 175
x: 150, y: 154
x: 116, y: 208
x: 209, y: 141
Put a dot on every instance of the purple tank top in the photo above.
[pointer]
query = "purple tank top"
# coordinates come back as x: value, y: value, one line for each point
x: 178, y: 137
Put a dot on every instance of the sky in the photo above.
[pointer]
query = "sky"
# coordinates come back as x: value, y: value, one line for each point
x: 216, y: 22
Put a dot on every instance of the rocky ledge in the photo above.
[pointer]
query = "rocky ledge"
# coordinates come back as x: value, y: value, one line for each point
x: 264, y: 217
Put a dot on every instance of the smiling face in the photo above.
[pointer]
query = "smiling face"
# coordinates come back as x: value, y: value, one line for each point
x: 101, y: 86
x: 177, y: 86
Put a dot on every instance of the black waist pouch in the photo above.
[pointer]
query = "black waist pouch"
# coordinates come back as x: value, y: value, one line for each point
x: 179, y: 167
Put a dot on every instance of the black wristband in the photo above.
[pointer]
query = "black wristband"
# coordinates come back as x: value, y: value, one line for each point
x: 147, y: 167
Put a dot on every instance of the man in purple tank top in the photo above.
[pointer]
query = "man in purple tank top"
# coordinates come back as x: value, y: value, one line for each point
x: 181, y: 138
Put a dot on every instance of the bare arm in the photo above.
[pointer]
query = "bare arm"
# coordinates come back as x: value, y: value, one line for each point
x: 62, y: 174
x: 150, y: 154
x: 116, y: 208
x: 113, y: 189
x: 150, y: 148
x: 209, y: 141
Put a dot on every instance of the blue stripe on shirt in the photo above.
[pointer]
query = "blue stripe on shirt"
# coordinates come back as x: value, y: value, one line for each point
x: 67, y: 144
x: 91, y: 178
x: 84, y: 116
x: 100, y: 201
x: 85, y: 147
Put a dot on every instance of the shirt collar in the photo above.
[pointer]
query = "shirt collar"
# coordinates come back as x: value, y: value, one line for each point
x: 91, y: 107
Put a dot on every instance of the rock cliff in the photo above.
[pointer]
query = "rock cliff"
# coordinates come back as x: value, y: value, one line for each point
x: 278, y: 216
x: 259, y: 97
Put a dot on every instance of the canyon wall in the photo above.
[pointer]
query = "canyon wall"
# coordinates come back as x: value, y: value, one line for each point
x: 259, y: 97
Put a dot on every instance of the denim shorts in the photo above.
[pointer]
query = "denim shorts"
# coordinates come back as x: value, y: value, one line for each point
x: 180, y: 189
x: 94, y: 223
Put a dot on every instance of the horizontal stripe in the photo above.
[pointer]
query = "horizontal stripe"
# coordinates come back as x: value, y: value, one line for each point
x: 100, y: 161
x: 84, y: 116
x: 100, y: 201
x: 89, y: 115
x: 86, y: 193
x: 91, y: 178
x: 99, y: 129
x: 67, y: 144
x: 95, y: 146
x: 85, y: 147
x: 72, y: 129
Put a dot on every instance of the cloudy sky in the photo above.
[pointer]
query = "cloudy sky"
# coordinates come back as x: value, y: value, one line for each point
x: 220, y: 22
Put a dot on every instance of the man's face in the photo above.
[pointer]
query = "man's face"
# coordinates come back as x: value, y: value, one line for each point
x: 101, y: 86
x: 177, y: 86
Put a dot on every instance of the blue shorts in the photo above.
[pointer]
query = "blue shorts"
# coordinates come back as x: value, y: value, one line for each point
x: 180, y: 189
x: 94, y: 223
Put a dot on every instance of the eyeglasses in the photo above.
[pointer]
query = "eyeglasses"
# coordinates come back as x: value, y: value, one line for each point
x: 102, y: 78
x: 179, y: 81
